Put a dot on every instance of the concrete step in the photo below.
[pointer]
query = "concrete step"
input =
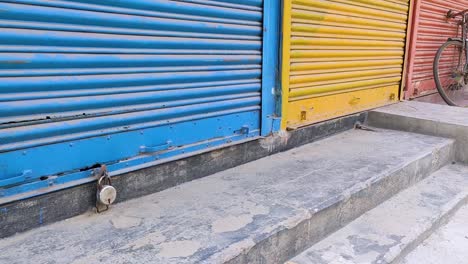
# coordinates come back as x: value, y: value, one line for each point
x: 446, y: 245
x: 425, y: 118
x: 266, y: 211
x: 387, y: 233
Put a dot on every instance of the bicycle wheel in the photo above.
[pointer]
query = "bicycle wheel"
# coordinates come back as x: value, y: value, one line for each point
x: 450, y: 73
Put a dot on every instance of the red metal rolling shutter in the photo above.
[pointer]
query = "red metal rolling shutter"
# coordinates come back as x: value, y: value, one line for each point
x: 431, y: 29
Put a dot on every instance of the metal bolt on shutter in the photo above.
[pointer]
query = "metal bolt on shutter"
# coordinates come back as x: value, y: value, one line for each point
x: 340, y: 57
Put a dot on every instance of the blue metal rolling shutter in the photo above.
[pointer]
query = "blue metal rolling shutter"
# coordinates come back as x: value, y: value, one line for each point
x: 122, y: 82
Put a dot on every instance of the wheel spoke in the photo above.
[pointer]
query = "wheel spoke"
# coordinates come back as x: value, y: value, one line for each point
x: 449, y: 73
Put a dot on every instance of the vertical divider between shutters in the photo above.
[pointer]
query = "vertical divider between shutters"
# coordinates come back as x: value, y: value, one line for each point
x: 271, y: 16
x: 408, y: 47
x: 415, y: 7
x: 286, y: 60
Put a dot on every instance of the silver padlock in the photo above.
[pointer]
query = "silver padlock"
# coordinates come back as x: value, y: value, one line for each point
x: 106, y: 193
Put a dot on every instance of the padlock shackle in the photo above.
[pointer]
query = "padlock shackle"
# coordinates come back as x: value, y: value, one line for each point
x: 103, y: 174
x: 100, y: 181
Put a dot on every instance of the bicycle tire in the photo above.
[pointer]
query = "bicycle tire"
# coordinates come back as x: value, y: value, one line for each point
x: 437, y: 80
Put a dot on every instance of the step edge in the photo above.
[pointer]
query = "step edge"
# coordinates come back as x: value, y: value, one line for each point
x: 441, y: 219
x: 398, y: 252
x: 386, y: 173
x: 314, y: 215
x: 426, y: 126
x: 368, y: 183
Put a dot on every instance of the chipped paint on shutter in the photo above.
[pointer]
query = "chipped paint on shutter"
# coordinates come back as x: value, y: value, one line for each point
x: 126, y: 83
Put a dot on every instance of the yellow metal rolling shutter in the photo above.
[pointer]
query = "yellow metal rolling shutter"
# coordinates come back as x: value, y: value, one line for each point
x: 340, y: 57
